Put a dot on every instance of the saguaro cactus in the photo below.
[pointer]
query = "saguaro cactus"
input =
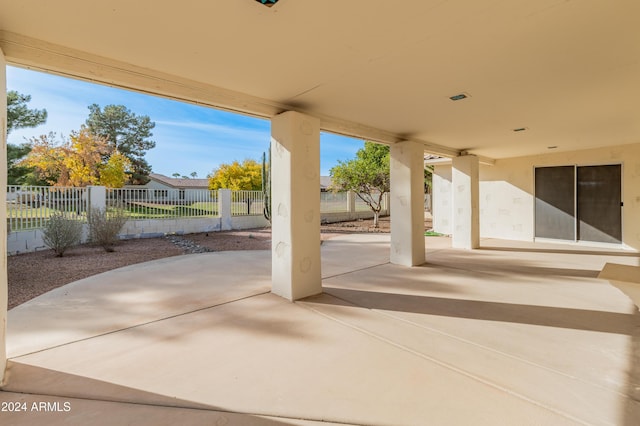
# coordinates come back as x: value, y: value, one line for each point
x: 266, y: 184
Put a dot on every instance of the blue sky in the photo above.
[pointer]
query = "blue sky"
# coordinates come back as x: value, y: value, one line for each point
x: 188, y: 138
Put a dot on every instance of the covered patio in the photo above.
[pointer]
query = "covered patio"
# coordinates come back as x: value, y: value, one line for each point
x: 487, y: 331
x: 508, y: 334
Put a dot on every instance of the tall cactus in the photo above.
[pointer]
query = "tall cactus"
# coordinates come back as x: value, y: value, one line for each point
x: 266, y: 184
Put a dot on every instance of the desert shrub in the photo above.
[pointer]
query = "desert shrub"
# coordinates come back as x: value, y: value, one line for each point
x: 61, y: 232
x: 105, y: 225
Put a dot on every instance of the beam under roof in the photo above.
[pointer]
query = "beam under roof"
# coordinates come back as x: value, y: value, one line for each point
x: 43, y: 56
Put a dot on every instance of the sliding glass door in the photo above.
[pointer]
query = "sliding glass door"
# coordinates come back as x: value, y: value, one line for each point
x: 579, y: 203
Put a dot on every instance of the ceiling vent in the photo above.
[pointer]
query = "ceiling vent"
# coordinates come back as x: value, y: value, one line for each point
x: 268, y: 3
x: 459, y: 96
x: 520, y: 129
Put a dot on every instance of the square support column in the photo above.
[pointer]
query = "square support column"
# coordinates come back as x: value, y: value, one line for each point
x: 466, y: 213
x: 407, y: 203
x: 224, y: 209
x: 4, y: 286
x: 295, y: 206
x: 97, y: 197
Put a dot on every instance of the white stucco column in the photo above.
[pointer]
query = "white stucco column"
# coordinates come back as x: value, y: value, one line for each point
x: 465, y: 194
x: 295, y: 205
x: 3, y: 217
x: 407, y: 203
x: 97, y: 197
x: 224, y: 209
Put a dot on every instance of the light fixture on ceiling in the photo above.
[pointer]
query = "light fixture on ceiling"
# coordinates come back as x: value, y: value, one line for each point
x: 521, y: 129
x: 267, y: 3
x: 459, y: 96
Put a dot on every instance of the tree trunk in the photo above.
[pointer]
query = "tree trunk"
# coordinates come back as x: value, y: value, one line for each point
x: 375, y: 219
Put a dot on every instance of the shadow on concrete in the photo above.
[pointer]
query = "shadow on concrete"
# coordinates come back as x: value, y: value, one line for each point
x: 514, y: 268
x: 577, y: 319
x: 69, y: 329
x: 585, y: 251
x: 633, y: 382
x: 99, y: 402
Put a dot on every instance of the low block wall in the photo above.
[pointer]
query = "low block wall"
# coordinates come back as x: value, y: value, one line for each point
x: 25, y: 241
x: 29, y: 241
x: 334, y: 217
x: 32, y: 240
x: 152, y: 228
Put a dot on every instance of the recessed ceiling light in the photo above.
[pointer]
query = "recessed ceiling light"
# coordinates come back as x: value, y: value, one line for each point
x: 520, y: 129
x: 552, y: 147
x: 267, y: 3
x: 459, y: 96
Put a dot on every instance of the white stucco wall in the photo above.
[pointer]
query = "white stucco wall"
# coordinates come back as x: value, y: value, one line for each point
x: 441, y: 207
x: 507, y: 192
x: 4, y: 284
x: 506, y: 201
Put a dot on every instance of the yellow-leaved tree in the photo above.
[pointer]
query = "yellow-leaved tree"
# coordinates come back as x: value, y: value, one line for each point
x: 46, y: 157
x: 85, y: 159
x: 113, y: 174
x: 237, y: 177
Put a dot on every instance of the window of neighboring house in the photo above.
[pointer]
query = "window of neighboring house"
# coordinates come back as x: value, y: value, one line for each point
x: 160, y: 193
x: 181, y: 194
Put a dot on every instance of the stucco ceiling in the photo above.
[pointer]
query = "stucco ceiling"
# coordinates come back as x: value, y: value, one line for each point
x: 567, y: 70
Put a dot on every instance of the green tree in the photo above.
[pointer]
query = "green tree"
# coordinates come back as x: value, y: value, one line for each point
x: 19, y: 115
x: 237, y: 177
x: 18, y: 174
x: 428, y: 178
x: 367, y: 175
x: 126, y: 133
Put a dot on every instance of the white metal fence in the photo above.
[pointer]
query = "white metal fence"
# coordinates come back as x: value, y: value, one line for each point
x: 164, y: 204
x: 29, y: 207
x: 247, y: 203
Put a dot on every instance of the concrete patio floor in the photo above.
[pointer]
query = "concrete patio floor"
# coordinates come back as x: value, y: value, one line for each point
x: 512, y: 333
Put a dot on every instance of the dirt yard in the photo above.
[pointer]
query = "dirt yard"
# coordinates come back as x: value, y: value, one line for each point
x: 33, y: 274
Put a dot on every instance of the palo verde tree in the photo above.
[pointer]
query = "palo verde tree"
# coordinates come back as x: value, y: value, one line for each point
x: 367, y: 175
x: 126, y: 133
x: 19, y: 115
x: 237, y: 177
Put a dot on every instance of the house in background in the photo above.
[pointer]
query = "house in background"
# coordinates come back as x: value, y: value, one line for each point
x: 325, y: 183
x: 164, y: 188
